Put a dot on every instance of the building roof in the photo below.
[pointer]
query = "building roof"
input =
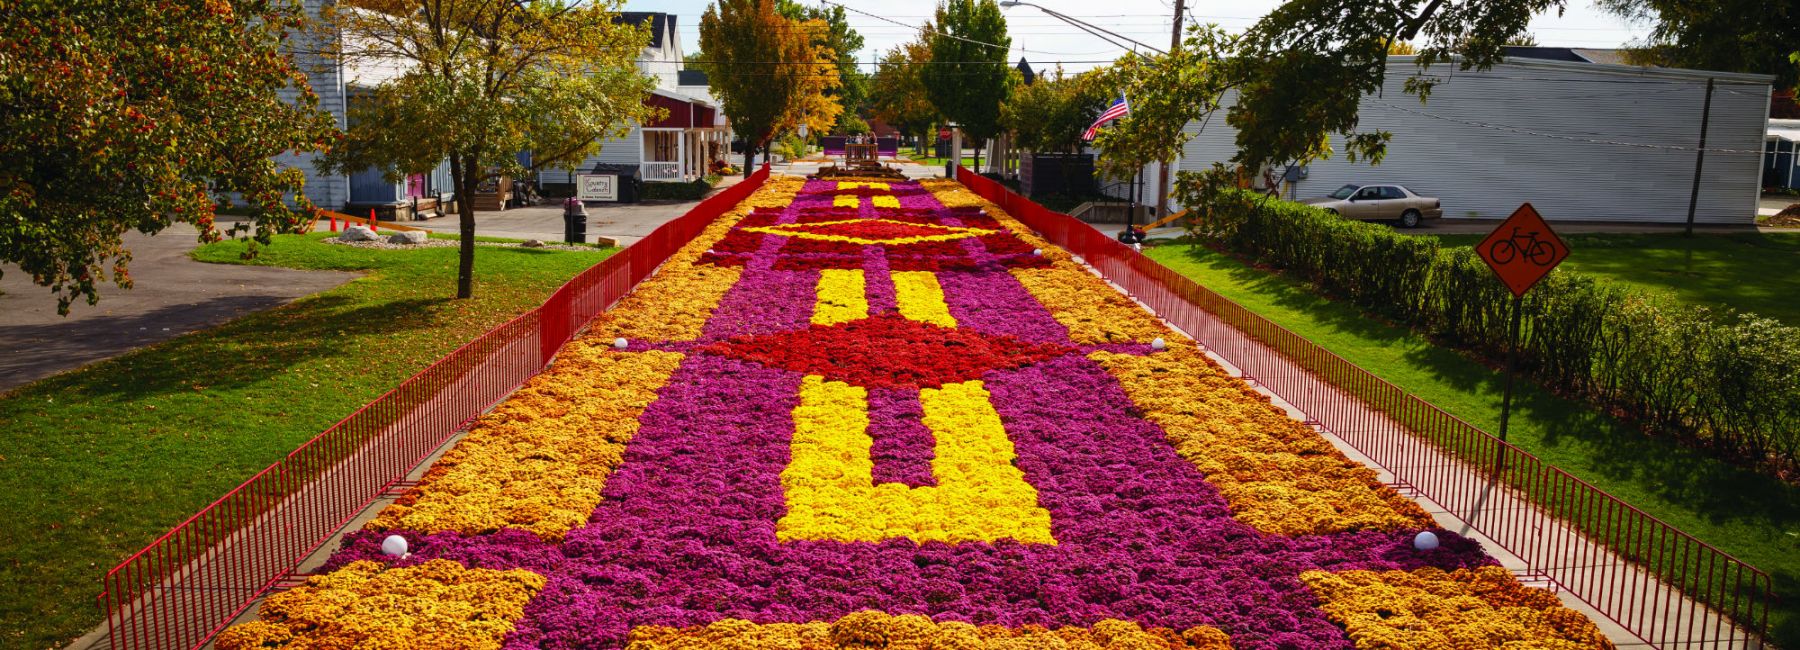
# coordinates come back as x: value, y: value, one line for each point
x: 660, y: 23
x: 691, y: 78
x: 1788, y: 130
x: 1544, y: 53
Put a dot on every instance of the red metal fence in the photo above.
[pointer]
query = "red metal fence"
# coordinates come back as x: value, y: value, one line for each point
x: 190, y: 583
x: 1660, y: 584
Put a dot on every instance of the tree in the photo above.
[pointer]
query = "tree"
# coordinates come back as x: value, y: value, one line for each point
x: 1401, y: 48
x: 766, y: 71
x: 1726, y: 35
x: 898, y: 94
x: 816, y: 103
x: 136, y: 115
x: 1049, y: 116
x: 1522, y: 40
x: 967, y: 78
x: 852, y: 92
x: 480, y: 81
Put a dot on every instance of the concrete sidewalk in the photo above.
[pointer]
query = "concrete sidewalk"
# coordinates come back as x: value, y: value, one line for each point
x: 625, y: 223
x: 172, y: 295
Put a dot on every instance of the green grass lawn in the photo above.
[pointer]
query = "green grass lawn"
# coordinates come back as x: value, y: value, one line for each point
x: 1754, y: 272
x: 935, y: 161
x: 1749, y: 515
x: 96, y: 463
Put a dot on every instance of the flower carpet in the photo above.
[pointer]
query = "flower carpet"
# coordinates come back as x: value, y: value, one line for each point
x: 861, y: 414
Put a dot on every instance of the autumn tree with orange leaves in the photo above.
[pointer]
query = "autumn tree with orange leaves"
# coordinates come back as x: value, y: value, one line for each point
x: 136, y: 115
x: 769, y: 72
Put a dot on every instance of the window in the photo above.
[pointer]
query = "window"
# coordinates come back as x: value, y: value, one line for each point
x: 1369, y: 194
x: 662, y: 146
x: 1391, y: 192
x: 1344, y: 192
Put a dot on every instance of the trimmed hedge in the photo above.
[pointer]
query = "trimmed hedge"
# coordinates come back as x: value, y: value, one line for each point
x: 1717, y: 378
x: 688, y: 191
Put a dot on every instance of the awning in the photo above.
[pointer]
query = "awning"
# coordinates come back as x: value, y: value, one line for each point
x: 1788, y: 130
x: 684, y: 112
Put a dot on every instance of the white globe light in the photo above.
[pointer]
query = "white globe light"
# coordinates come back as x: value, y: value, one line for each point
x: 1425, y: 541
x: 1037, y: 251
x: 1159, y: 344
x: 394, y: 545
x: 621, y: 343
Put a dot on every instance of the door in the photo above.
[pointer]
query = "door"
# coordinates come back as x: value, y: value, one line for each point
x: 1365, y: 203
x: 415, y: 186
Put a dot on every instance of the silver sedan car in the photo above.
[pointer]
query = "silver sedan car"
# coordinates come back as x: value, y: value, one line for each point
x: 1380, y: 203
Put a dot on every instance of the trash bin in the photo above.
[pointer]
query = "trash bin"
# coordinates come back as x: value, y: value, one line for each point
x: 574, y: 221
x: 631, y: 184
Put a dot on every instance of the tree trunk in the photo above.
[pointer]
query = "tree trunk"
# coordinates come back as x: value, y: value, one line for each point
x: 463, y: 174
x: 749, y: 157
x: 977, y: 168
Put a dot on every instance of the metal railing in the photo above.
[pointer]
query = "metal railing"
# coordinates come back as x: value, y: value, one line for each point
x: 1660, y: 584
x: 190, y: 583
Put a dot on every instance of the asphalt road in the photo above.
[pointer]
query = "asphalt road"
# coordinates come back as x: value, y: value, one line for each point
x: 173, y: 295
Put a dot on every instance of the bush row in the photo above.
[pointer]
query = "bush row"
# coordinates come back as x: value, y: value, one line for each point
x: 680, y: 191
x: 1711, y: 377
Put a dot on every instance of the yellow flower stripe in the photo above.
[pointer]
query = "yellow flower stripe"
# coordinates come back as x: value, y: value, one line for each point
x: 920, y: 297
x: 873, y: 185
x: 673, y: 304
x: 953, y: 194
x: 847, y: 201
x: 436, y: 605
x: 1093, y: 311
x: 832, y: 495
x: 885, y: 201
x: 803, y: 231
x: 871, y: 629
x: 1431, y: 609
x: 539, y: 460
x: 842, y: 297
x: 1278, y: 475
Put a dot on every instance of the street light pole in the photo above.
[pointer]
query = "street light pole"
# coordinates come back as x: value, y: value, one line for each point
x: 1162, y: 185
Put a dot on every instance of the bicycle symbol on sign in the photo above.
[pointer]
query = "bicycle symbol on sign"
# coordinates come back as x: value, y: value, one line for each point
x: 1535, y: 251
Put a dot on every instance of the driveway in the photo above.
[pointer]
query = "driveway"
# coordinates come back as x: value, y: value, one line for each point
x: 173, y: 295
x: 625, y: 223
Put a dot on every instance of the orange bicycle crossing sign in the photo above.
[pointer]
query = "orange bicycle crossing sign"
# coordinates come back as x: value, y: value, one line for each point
x: 1522, y: 250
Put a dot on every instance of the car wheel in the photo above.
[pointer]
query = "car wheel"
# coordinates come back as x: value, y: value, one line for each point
x: 1410, y: 219
x: 1331, y: 212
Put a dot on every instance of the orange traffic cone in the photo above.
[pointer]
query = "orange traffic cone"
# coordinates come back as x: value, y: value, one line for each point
x: 373, y: 224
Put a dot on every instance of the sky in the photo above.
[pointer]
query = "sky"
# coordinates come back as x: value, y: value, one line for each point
x: 1045, y: 40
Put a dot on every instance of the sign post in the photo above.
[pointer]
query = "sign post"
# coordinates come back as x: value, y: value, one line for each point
x: 1521, y: 251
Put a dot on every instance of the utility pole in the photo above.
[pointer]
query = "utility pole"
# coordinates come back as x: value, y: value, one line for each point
x: 1162, y: 184
x: 1699, y: 156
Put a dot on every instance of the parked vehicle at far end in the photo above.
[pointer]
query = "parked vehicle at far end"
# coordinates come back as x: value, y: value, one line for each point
x: 1386, y: 202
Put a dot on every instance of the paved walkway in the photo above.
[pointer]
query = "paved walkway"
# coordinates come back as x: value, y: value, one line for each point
x: 173, y: 295
x: 625, y: 223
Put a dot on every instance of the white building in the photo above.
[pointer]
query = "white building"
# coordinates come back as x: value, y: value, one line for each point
x: 1580, y: 140
x: 678, y: 147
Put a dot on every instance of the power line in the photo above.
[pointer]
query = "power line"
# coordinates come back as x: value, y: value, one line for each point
x: 953, y: 36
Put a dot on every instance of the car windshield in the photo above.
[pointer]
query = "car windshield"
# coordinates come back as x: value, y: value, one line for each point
x: 1345, y: 191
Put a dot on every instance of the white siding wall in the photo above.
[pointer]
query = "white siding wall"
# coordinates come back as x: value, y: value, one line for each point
x: 327, y: 80
x: 623, y: 151
x: 1487, y: 172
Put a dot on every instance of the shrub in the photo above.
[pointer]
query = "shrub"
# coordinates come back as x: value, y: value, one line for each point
x: 1709, y: 377
x: 687, y: 191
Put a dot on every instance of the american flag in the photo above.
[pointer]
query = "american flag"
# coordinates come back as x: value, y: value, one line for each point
x: 1117, y: 110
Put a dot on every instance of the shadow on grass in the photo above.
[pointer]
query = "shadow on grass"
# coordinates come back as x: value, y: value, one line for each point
x: 309, y: 329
